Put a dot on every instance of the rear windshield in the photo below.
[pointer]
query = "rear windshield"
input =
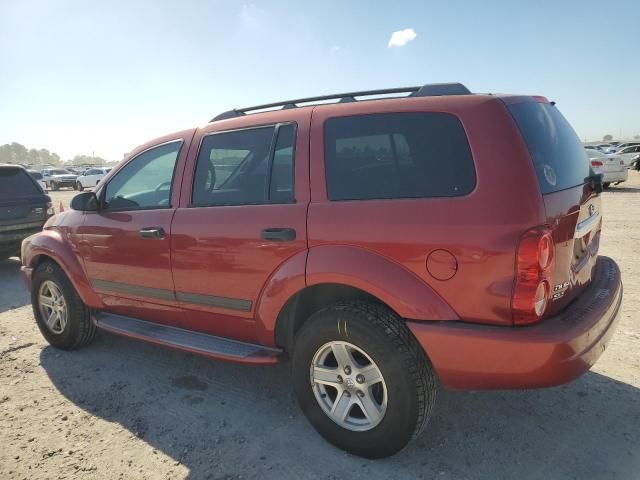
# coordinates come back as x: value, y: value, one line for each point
x: 594, y: 153
x: 558, y: 156
x: 15, y: 182
x: 397, y: 155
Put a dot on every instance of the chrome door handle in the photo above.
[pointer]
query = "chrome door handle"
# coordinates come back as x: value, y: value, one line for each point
x: 152, y: 232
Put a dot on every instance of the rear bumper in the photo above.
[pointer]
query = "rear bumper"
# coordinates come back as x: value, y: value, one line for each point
x: 555, y: 351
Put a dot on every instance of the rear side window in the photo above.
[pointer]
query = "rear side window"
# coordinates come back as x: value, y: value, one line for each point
x: 397, y: 155
x: 15, y: 182
x: 557, y: 153
x: 245, y: 167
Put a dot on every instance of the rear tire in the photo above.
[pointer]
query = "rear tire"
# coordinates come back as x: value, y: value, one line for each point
x: 374, y: 337
x: 77, y: 329
x: 606, y: 184
x: 54, y: 186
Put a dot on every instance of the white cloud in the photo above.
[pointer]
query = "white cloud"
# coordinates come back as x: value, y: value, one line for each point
x: 401, y: 37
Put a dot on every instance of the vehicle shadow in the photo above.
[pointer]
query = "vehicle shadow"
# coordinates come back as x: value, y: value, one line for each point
x: 220, y: 419
x: 13, y: 294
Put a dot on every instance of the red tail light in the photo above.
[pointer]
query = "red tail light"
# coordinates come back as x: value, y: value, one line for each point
x: 534, y: 264
x: 596, y: 163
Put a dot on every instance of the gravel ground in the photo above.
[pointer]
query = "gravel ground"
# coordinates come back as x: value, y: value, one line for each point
x: 124, y: 409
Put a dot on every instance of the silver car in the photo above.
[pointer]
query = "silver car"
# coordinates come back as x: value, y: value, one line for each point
x: 612, y: 167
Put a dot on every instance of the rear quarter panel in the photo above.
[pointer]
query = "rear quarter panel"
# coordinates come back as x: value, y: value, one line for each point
x: 481, y: 229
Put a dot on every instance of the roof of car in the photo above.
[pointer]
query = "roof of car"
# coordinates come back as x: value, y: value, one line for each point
x: 11, y: 165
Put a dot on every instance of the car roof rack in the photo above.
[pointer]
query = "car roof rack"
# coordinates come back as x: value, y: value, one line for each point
x: 429, y: 90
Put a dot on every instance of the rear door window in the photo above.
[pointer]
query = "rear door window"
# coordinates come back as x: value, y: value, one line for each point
x: 245, y: 167
x: 556, y: 151
x: 397, y: 155
x: 15, y: 182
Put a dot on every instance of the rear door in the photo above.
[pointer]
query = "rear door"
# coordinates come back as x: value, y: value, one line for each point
x: 243, y: 214
x: 573, y: 209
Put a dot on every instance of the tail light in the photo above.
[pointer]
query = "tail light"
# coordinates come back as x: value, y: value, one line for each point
x: 534, y: 264
x: 596, y: 163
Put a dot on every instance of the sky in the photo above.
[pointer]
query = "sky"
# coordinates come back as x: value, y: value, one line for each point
x: 84, y: 77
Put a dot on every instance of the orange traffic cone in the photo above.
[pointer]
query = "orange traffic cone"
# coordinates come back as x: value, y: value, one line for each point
x: 61, y: 209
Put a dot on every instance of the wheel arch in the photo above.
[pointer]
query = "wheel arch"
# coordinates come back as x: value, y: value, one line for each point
x: 308, y: 301
x: 329, y: 274
x: 49, y: 245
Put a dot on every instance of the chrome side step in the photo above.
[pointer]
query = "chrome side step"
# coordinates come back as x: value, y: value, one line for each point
x: 189, y: 341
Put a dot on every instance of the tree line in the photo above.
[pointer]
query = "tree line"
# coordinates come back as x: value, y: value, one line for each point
x: 16, y: 153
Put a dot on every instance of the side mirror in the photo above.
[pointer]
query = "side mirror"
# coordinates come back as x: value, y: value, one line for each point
x: 85, y: 202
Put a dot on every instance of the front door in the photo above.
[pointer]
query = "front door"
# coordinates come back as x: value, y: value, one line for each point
x: 125, y: 245
x: 246, y: 217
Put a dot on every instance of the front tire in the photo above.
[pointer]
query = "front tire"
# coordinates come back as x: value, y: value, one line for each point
x: 62, y: 317
x: 362, y: 379
x: 54, y: 186
x: 79, y: 186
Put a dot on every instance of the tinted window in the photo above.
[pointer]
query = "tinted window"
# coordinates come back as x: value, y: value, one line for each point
x: 59, y: 172
x: 398, y: 155
x: 35, y: 175
x: 15, y: 182
x: 556, y: 151
x: 235, y: 168
x: 281, y: 189
x: 145, y: 182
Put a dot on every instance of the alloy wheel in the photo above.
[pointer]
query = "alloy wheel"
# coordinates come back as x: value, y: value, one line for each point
x: 53, y: 306
x: 348, y: 386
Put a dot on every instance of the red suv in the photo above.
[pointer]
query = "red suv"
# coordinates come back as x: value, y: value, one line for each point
x: 384, y: 244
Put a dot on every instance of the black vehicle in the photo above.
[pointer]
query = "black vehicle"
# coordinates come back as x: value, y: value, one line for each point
x: 24, y: 208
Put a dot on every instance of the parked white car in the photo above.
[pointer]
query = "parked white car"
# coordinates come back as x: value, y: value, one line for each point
x: 91, y: 177
x: 624, y: 145
x: 612, y: 167
x: 628, y: 153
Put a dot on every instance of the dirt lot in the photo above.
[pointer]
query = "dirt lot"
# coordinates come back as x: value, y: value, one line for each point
x: 123, y: 409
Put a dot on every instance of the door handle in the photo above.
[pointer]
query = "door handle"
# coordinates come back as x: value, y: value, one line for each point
x: 152, y: 232
x: 279, y: 234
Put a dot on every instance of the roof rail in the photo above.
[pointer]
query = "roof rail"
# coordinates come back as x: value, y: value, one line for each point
x: 429, y: 90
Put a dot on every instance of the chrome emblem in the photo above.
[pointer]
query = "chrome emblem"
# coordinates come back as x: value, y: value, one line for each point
x: 592, y: 209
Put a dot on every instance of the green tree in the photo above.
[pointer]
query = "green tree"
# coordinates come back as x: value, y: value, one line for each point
x: 17, y: 153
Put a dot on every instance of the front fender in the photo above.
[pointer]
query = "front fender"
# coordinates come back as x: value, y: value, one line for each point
x: 51, y: 243
x: 409, y: 296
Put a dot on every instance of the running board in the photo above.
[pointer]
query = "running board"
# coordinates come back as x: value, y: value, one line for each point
x: 186, y: 340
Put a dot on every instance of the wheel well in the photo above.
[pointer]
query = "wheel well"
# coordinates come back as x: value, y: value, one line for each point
x: 308, y: 301
x: 39, y: 259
